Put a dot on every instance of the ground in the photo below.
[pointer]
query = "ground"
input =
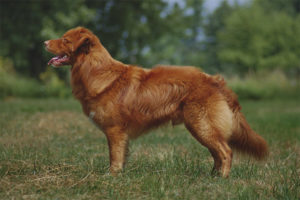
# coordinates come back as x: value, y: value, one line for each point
x: 50, y: 150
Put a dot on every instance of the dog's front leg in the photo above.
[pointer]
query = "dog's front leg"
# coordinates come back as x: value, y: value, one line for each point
x: 118, y: 148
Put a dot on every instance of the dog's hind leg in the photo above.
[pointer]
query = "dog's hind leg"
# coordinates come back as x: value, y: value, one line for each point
x: 118, y: 148
x: 203, y: 127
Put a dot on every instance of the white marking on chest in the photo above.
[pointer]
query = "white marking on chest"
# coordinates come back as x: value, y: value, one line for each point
x: 92, y: 115
x: 91, y: 118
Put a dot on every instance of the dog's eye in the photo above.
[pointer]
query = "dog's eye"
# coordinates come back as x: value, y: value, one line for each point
x: 65, y: 40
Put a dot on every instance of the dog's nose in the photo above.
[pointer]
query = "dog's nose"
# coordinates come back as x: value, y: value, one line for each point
x: 46, y: 43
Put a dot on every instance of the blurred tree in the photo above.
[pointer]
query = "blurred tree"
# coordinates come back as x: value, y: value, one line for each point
x: 143, y: 29
x: 290, y: 7
x: 131, y: 30
x: 214, y: 25
x: 126, y: 27
x: 26, y: 24
x: 254, y: 39
x: 183, y: 45
x: 260, y: 35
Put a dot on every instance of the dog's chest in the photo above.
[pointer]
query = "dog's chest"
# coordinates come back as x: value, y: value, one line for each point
x: 78, y: 89
x: 93, y: 120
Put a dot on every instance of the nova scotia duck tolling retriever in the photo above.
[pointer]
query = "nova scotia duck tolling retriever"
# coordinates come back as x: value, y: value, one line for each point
x: 125, y: 101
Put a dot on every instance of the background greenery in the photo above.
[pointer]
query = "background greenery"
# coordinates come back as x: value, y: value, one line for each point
x: 249, y: 40
x: 49, y: 149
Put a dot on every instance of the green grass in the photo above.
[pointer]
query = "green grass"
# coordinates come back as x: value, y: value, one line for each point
x: 49, y: 150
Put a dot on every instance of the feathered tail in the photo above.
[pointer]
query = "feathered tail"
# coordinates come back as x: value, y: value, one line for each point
x: 244, y: 139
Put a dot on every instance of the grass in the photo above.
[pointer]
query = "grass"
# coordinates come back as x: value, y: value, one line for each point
x: 49, y: 150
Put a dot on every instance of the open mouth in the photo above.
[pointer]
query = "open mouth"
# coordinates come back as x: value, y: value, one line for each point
x: 59, y: 61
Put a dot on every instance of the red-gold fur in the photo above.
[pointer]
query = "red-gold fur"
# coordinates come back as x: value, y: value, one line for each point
x: 126, y: 101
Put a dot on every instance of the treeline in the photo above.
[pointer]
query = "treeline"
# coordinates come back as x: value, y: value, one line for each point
x: 260, y: 35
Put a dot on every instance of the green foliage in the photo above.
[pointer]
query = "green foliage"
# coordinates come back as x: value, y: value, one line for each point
x: 265, y: 85
x: 290, y: 7
x: 126, y: 28
x: 54, y: 86
x: 146, y: 28
x: 14, y: 85
x: 257, y: 40
x: 26, y: 24
x: 215, y: 24
x: 259, y: 36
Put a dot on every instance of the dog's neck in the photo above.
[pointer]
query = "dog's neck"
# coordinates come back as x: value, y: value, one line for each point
x: 85, y: 64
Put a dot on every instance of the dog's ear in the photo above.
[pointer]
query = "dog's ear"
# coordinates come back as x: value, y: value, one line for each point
x: 84, y: 41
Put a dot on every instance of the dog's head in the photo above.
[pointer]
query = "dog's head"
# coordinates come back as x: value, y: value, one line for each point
x: 73, y: 43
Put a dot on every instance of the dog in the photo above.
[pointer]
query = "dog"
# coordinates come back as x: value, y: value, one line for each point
x: 125, y: 101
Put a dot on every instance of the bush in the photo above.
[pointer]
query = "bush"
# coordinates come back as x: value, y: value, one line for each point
x: 54, y: 86
x: 15, y: 85
x: 265, y: 86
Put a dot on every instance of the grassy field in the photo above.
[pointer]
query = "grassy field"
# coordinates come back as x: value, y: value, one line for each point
x: 49, y: 150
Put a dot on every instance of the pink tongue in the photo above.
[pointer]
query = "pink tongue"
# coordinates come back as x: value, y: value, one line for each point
x: 53, y: 60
